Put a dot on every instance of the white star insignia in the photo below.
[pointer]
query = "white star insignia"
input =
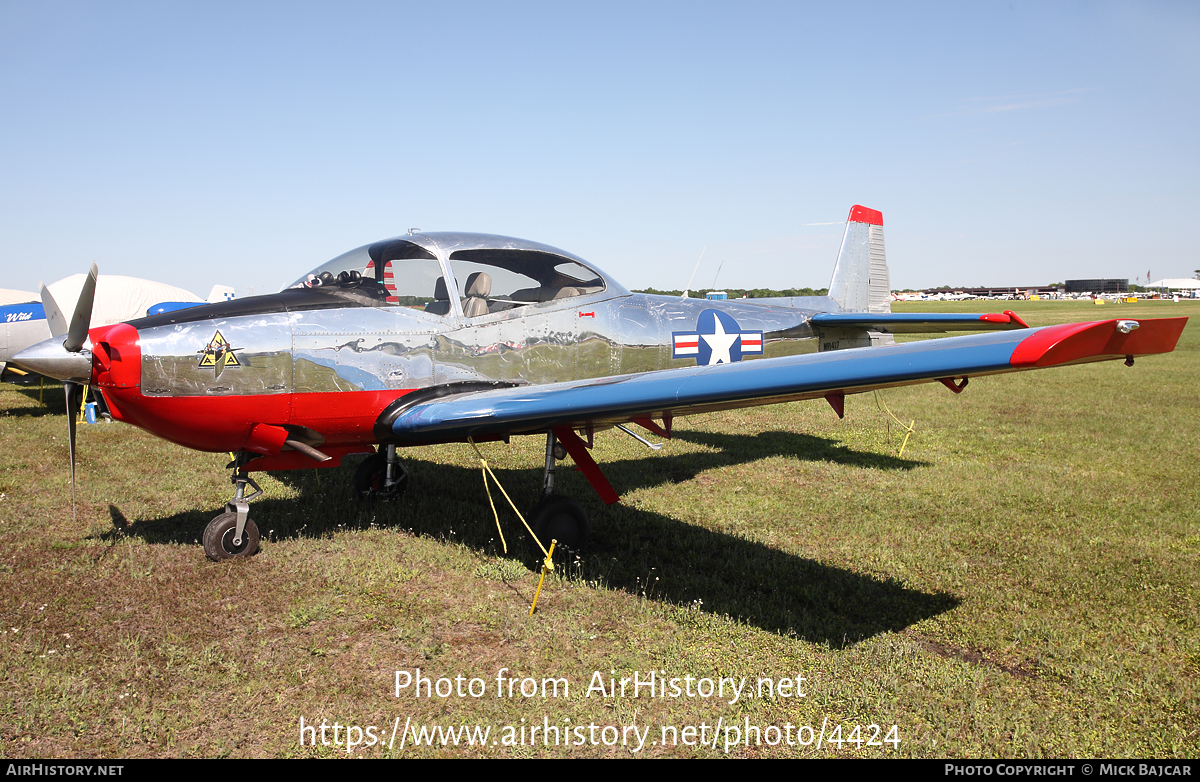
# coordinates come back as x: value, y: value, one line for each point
x: 720, y: 342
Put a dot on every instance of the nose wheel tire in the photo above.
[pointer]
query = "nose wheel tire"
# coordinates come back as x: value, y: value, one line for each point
x: 219, y: 534
x: 370, y: 479
x: 563, y: 519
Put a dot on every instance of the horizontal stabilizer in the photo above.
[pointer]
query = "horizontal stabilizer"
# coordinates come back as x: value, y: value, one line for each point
x: 919, y: 322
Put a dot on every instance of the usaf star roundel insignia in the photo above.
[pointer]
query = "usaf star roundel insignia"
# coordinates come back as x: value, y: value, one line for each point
x: 218, y: 353
x: 718, y: 339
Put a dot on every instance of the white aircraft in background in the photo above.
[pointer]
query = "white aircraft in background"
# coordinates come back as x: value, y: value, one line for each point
x: 118, y: 299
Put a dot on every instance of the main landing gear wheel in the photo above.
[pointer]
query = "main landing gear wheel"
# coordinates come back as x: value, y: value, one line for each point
x: 219, y: 534
x: 370, y: 479
x: 560, y: 518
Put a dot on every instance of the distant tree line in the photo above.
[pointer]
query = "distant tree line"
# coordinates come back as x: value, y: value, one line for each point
x: 749, y: 293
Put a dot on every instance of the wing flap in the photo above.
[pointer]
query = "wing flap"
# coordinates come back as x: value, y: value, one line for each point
x: 692, y: 390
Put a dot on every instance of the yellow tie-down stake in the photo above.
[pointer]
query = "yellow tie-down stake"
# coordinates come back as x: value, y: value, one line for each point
x: 547, y: 566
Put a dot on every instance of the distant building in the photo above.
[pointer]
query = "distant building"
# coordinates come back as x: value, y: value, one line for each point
x: 716, y: 295
x: 1105, y: 285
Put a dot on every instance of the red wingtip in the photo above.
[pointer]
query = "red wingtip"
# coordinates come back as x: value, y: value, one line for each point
x: 1079, y: 342
x: 861, y: 214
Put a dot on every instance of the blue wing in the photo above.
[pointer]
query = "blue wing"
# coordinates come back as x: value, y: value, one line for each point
x: 684, y: 391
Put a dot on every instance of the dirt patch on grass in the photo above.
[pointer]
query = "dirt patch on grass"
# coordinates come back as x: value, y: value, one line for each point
x: 1025, y: 669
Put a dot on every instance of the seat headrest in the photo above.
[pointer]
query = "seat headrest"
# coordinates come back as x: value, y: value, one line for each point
x: 479, y: 285
x: 439, y: 290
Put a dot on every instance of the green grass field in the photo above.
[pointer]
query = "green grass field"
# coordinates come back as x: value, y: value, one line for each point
x: 1022, y: 582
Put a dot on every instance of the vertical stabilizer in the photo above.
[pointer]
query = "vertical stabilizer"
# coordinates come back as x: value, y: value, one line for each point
x: 860, y: 278
x: 220, y: 293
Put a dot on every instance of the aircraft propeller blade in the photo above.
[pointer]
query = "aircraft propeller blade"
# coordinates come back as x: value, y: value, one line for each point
x: 54, y: 316
x: 74, y: 394
x: 82, y: 319
x: 75, y: 364
x: 67, y: 360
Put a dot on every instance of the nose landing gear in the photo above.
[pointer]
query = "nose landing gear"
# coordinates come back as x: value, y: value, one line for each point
x: 233, y: 534
x: 222, y: 531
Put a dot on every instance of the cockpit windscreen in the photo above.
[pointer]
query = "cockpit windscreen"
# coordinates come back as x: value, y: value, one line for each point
x: 395, y: 272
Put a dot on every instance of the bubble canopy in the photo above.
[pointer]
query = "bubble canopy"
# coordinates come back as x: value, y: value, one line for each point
x: 426, y: 270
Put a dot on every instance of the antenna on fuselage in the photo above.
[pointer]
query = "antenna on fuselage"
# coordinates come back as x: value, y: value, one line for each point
x: 412, y: 231
x: 693, y: 277
x: 715, y: 276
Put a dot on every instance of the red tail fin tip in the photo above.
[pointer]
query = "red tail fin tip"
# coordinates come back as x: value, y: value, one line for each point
x: 861, y: 214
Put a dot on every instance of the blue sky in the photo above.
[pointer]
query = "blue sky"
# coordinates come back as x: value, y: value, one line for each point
x: 244, y: 143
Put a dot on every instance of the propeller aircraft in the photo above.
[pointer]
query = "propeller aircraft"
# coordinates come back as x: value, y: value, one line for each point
x: 431, y: 338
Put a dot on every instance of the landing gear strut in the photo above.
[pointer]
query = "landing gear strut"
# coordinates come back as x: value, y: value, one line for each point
x: 556, y: 517
x: 233, y: 534
x: 381, y: 476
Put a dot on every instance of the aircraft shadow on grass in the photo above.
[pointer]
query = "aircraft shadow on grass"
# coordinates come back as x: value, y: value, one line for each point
x: 634, y: 550
x: 744, y: 448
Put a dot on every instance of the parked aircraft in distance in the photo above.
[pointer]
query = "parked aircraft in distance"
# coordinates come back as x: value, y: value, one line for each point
x: 448, y: 337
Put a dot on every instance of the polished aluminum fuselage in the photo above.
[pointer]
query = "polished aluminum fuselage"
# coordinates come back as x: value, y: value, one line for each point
x: 347, y: 349
x: 332, y: 341
x: 324, y: 361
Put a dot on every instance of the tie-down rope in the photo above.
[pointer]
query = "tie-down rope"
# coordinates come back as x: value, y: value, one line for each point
x: 548, y: 562
x: 908, y: 429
